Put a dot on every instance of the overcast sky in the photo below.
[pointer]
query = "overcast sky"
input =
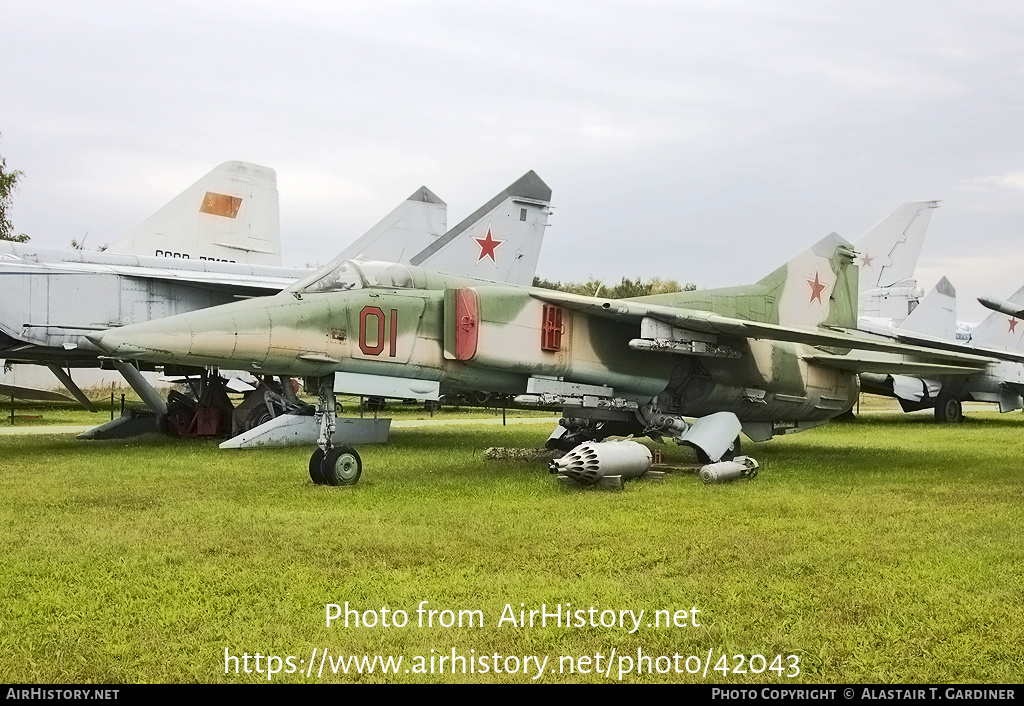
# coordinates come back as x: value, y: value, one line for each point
x: 702, y: 141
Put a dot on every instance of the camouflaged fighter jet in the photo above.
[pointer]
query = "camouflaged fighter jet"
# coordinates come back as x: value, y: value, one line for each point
x: 763, y: 359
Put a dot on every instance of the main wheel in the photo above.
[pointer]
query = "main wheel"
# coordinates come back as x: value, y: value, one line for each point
x: 949, y: 409
x: 315, y: 462
x: 257, y: 416
x: 179, y: 418
x: 341, y: 466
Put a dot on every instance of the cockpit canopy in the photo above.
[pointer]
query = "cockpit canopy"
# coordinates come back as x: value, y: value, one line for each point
x: 345, y: 275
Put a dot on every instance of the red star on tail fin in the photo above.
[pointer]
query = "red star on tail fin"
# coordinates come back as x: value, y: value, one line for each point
x: 817, y: 287
x: 487, y: 246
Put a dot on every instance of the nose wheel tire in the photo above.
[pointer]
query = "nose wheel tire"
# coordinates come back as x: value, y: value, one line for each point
x: 341, y: 466
x: 315, y: 462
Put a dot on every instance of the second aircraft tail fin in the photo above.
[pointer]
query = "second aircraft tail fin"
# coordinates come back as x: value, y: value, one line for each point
x: 500, y: 241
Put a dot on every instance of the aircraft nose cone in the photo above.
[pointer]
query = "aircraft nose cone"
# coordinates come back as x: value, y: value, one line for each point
x: 109, y: 342
x: 161, y: 341
x: 97, y: 339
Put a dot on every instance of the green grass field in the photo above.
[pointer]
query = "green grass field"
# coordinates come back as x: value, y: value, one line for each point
x: 885, y: 550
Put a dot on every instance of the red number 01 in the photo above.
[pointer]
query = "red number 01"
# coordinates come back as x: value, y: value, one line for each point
x: 377, y: 347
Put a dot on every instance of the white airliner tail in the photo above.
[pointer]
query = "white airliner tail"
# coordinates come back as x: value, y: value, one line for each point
x: 230, y: 215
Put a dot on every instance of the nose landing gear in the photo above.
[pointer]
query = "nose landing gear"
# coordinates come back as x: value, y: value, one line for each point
x: 329, y: 464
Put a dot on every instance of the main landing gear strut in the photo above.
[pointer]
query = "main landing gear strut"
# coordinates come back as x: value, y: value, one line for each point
x: 329, y: 464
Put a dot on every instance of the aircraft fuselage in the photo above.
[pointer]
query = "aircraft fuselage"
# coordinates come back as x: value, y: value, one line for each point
x: 466, y: 335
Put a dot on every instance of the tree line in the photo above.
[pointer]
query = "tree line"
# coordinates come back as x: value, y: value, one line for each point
x: 627, y: 288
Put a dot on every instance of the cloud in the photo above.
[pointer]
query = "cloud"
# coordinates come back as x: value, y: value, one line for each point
x: 1009, y: 180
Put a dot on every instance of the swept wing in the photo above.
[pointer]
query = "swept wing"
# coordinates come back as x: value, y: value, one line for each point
x: 706, y: 322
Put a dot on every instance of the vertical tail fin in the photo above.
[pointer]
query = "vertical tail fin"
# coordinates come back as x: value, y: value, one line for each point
x: 500, y: 241
x: 412, y: 226
x: 887, y: 256
x: 230, y: 214
x: 816, y: 288
x: 1000, y: 329
x: 936, y: 314
x: 888, y: 252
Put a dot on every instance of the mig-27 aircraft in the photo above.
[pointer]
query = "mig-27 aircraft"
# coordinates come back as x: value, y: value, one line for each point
x: 764, y: 359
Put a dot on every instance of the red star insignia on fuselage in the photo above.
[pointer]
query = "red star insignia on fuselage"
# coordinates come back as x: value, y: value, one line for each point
x: 1013, y: 326
x: 817, y: 287
x: 866, y: 260
x: 487, y: 246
